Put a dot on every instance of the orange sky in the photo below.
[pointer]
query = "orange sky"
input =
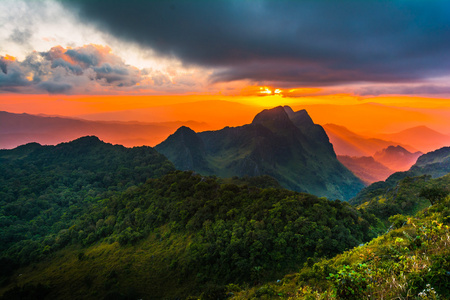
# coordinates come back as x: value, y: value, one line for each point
x: 390, y: 115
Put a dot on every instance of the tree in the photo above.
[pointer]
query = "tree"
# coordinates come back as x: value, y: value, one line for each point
x: 434, y: 194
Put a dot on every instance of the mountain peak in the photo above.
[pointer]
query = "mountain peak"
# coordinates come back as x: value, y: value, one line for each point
x: 397, y: 148
x: 273, y: 144
x: 274, y: 114
x: 87, y: 140
x: 187, y: 136
x: 185, y: 130
x: 272, y: 118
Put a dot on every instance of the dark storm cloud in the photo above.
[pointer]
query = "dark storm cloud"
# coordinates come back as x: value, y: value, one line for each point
x: 55, y: 87
x: 311, y: 42
x: 12, y: 76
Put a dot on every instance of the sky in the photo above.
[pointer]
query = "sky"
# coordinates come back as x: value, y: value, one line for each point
x: 85, y: 58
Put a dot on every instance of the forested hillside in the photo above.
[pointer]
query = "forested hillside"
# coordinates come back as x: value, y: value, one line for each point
x: 409, y: 191
x: 43, y: 189
x: 412, y: 261
x: 186, y: 234
x: 91, y: 220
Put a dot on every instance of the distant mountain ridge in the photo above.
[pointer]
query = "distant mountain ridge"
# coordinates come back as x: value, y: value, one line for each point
x: 347, y: 142
x: 279, y: 142
x: 420, y: 137
x: 366, y: 168
x: 19, y: 129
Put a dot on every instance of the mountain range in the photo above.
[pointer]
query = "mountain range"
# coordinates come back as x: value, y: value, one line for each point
x: 91, y: 220
x: 18, y: 129
x: 279, y: 142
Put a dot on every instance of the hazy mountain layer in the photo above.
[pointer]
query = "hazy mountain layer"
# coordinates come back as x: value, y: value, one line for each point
x: 19, y: 129
x: 346, y: 142
x: 397, y: 158
x: 366, y: 168
x: 420, y: 137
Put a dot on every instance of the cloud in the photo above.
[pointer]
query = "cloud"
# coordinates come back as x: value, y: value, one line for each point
x: 421, y: 89
x: 61, y: 70
x: 309, y: 42
x: 20, y: 36
x: 89, y: 69
x: 54, y: 87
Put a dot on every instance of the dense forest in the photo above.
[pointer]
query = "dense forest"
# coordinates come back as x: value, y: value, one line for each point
x: 43, y: 189
x: 411, y: 261
x: 219, y: 233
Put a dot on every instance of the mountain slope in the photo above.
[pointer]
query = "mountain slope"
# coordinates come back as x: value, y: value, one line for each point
x: 281, y: 143
x: 397, y: 158
x: 435, y: 163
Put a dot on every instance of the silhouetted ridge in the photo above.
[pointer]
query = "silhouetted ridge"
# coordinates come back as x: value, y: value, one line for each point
x: 396, y: 149
x: 86, y: 140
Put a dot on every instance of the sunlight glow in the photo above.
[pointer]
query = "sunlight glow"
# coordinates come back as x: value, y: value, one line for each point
x: 9, y: 57
x: 265, y: 90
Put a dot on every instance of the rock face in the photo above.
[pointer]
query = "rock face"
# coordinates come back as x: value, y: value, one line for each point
x: 284, y: 144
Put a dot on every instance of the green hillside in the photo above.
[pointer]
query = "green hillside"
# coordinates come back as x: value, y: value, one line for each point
x: 186, y: 234
x: 434, y: 164
x: 408, y: 192
x: 43, y: 189
x: 281, y: 143
x: 409, y: 262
